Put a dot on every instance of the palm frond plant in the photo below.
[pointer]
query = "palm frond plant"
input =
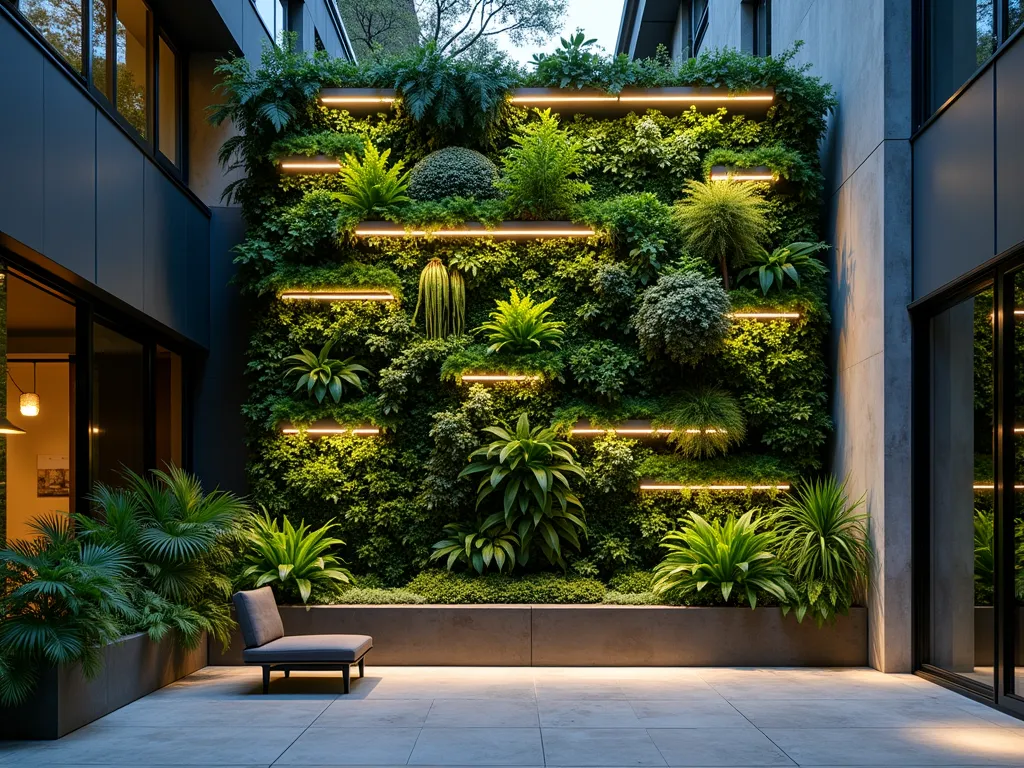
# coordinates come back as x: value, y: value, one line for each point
x: 705, y: 422
x: 721, y: 222
x: 771, y: 269
x: 320, y: 374
x: 732, y: 557
x: 824, y: 541
x: 62, y: 599
x: 370, y: 185
x: 531, y: 469
x: 521, y: 324
x: 479, y: 545
x: 181, y: 541
x: 293, y: 560
x: 434, y: 299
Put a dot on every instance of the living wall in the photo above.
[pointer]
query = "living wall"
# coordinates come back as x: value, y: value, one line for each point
x: 640, y: 326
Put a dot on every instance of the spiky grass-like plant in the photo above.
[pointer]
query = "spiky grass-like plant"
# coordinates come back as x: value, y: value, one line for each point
x: 370, y: 186
x: 788, y: 261
x: 721, y: 222
x: 320, y: 374
x: 521, y: 324
x: 434, y: 298
x: 824, y: 541
x: 707, y: 421
x: 457, y: 284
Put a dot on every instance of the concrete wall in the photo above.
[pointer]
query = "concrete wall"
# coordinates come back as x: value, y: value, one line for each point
x: 863, y: 50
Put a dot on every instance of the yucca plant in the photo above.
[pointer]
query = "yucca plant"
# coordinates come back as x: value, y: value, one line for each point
x: 531, y: 468
x: 370, y: 186
x: 293, y: 560
x: 62, y: 599
x: 321, y: 374
x: 771, y: 269
x: 521, y: 324
x: 731, y: 557
x: 705, y: 422
x: 181, y: 541
x: 478, y: 545
x: 823, y: 539
x: 434, y: 299
x: 721, y: 222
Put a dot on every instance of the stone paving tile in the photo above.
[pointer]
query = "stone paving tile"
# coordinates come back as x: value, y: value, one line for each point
x: 478, y: 747
x: 717, y: 747
x: 475, y: 713
x: 374, y: 713
x: 612, y: 713
x: 688, y: 714
x: 347, y: 746
x: 600, y: 747
x: 858, y: 713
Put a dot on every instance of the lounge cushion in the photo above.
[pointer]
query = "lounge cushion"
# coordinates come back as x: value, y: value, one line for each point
x: 314, y: 649
x: 258, y: 616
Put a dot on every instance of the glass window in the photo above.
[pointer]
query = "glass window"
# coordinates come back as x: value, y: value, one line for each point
x: 762, y: 28
x: 271, y: 13
x: 132, y: 52
x: 118, y: 406
x: 1015, y: 15
x: 961, y: 37
x: 168, y: 388
x: 102, y: 76
x: 280, y: 19
x: 318, y: 42
x: 167, y: 90
x: 960, y: 638
x: 60, y: 22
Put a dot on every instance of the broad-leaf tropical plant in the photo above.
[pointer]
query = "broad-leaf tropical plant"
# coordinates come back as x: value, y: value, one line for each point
x: 771, y: 269
x: 62, y: 598
x: 531, y: 469
x: 478, y: 546
x: 521, y: 324
x: 294, y: 560
x: 731, y: 556
x: 370, y: 186
x: 320, y: 374
x: 823, y: 539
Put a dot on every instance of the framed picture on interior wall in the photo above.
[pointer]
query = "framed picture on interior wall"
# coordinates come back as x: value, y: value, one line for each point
x: 53, y: 475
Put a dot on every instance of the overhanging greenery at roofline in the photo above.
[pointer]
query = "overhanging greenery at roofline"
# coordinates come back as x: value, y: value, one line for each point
x: 393, y: 494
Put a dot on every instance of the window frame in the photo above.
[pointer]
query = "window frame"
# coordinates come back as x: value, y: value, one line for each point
x: 698, y: 27
x: 280, y: 6
x: 761, y: 12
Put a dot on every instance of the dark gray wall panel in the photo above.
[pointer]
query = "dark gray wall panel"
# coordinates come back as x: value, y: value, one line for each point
x: 21, y: 136
x: 70, y: 176
x: 119, y: 214
x: 166, y: 243
x: 954, y: 196
x: 254, y: 33
x: 198, y: 259
x: 231, y: 11
x: 219, y: 428
x: 1009, y: 147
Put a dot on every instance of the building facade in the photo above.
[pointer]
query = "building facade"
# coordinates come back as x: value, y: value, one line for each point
x: 115, y: 241
x: 922, y: 193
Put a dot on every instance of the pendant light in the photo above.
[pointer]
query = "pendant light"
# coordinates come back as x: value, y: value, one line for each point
x: 29, y: 401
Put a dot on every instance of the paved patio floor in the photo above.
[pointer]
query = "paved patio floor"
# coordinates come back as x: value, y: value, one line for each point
x: 535, y: 716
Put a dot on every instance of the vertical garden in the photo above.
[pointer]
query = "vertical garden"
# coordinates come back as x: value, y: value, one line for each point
x: 529, y: 322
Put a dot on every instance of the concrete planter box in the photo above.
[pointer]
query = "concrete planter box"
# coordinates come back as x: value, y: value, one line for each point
x: 64, y: 700
x: 580, y: 635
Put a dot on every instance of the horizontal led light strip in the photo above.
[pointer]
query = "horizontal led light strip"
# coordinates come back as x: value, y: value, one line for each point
x: 343, y: 100
x: 488, y: 377
x: 359, y: 431
x: 730, y: 173
x: 646, y: 98
x: 338, y: 296
x: 991, y: 487
x: 765, y: 315
x: 642, y: 431
x: 670, y: 487
x: 311, y: 166
x: 525, y: 233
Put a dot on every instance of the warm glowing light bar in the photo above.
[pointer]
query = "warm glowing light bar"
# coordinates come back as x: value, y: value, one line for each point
x: 672, y: 487
x: 493, y: 377
x: 991, y: 487
x: 672, y: 97
x: 318, y: 164
x: 360, y: 431
x: 729, y: 173
x: 338, y: 296
x: 507, y: 229
x: 365, y: 100
x: 765, y: 315
x: 640, y: 431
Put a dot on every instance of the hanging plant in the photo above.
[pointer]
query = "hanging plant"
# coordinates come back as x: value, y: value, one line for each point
x: 458, y: 305
x: 434, y: 298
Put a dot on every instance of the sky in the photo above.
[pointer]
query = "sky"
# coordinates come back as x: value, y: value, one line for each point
x: 598, y: 18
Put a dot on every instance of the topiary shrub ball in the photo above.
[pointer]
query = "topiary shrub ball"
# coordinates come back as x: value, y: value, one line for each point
x: 683, y: 316
x: 453, y: 172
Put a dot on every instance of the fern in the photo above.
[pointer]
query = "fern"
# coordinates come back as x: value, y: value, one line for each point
x: 370, y: 186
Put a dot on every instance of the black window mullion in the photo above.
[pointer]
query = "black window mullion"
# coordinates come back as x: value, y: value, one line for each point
x: 82, y: 429
x: 87, y: 40
x: 1004, y: 471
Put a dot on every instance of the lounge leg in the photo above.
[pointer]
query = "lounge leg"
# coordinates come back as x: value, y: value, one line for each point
x: 287, y: 673
x: 345, y: 676
x: 266, y: 679
x: 362, y: 669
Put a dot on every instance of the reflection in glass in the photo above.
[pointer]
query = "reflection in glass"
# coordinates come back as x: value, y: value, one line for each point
x: 132, y: 51
x: 118, y: 378
x: 60, y: 22
x: 1015, y: 15
x: 168, y: 383
x: 168, y: 93
x: 962, y: 415
x: 101, y: 75
x: 1015, y: 602
x: 961, y: 37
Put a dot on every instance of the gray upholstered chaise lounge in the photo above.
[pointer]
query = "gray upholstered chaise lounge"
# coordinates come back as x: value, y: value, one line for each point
x: 266, y: 644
